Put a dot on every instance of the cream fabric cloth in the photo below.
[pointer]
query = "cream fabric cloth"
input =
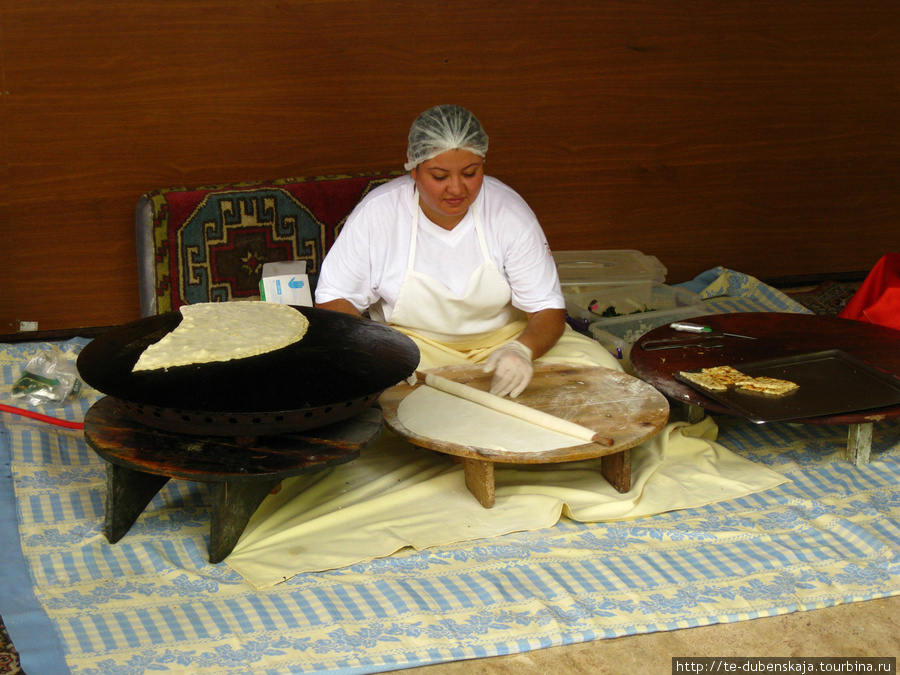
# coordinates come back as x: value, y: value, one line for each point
x: 572, y: 348
x: 396, y: 496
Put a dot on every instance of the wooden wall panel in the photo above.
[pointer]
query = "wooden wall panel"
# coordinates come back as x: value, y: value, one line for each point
x: 759, y: 135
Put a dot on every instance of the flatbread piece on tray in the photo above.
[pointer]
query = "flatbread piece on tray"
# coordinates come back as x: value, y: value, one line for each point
x: 723, y: 378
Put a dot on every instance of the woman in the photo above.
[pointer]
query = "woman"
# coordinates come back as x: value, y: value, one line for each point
x: 456, y: 260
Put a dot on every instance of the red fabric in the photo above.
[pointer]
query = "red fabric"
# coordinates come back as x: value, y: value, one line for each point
x: 878, y: 299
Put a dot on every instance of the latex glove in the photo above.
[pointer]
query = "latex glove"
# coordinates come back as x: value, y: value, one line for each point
x: 511, y: 365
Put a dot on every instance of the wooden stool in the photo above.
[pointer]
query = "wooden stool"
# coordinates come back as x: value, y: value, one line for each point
x: 240, y: 471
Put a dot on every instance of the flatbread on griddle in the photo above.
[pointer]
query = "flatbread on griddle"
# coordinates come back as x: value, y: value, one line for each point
x: 224, y: 331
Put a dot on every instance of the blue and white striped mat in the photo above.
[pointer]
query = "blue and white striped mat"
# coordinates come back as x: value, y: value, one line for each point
x: 153, y: 604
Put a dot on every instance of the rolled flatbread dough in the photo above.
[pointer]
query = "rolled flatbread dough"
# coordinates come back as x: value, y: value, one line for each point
x: 441, y: 416
x: 223, y: 331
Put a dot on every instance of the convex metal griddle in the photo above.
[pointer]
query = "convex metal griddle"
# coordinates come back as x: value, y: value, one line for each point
x: 337, y: 370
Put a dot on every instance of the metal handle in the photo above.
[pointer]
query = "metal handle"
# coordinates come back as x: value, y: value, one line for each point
x: 688, y: 327
x: 680, y: 343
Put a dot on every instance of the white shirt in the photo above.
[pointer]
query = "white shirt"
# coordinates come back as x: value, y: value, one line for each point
x: 367, y: 263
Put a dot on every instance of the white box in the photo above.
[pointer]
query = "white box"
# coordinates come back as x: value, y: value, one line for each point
x: 584, y: 271
x: 286, y: 283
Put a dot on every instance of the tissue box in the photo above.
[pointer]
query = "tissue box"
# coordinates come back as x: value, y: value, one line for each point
x: 286, y: 283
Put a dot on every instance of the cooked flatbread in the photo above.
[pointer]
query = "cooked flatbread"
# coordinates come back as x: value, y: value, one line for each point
x: 769, y: 385
x: 727, y: 375
x: 705, y: 380
x: 224, y: 331
x: 721, y: 378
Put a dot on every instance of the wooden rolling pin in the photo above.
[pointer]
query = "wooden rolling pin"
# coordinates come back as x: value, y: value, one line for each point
x: 514, y: 409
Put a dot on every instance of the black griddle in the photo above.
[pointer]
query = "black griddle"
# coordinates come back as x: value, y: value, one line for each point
x: 339, y: 367
x: 830, y: 382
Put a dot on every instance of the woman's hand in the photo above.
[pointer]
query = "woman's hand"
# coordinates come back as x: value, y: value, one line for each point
x: 511, y: 363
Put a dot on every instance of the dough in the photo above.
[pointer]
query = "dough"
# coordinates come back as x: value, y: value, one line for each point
x: 223, y: 331
x: 509, y: 407
x: 436, y: 414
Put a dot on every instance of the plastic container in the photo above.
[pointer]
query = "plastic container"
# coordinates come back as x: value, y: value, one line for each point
x: 614, y: 345
x: 638, y: 308
x: 586, y: 271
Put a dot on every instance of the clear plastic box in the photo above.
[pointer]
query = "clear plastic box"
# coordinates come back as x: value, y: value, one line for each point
x: 615, y: 346
x: 585, y: 271
x: 638, y: 308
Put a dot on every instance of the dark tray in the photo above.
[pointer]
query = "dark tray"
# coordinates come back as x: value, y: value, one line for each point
x: 831, y: 382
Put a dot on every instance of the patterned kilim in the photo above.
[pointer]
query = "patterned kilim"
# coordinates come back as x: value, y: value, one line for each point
x: 828, y: 298
x: 210, y: 244
x: 9, y: 658
x: 152, y: 602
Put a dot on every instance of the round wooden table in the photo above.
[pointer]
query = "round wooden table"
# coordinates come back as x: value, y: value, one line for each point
x: 778, y: 335
x: 609, y: 402
x: 241, y: 472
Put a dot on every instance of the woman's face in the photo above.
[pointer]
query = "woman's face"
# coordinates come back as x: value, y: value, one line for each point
x: 448, y: 184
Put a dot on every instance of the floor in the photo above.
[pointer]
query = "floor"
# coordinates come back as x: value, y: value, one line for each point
x: 857, y: 629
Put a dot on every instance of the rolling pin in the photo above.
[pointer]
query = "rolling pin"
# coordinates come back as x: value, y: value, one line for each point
x: 514, y: 409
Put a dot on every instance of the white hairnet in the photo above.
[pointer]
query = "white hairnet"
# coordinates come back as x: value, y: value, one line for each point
x: 442, y: 128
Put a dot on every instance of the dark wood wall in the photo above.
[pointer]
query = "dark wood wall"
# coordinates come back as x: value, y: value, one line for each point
x: 761, y: 135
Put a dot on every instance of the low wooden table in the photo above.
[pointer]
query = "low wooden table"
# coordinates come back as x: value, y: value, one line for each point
x: 779, y: 335
x: 240, y: 472
x: 611, y: 403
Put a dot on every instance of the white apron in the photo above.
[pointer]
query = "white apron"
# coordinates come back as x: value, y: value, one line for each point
x: 428, y: 308
x: 452, y: 329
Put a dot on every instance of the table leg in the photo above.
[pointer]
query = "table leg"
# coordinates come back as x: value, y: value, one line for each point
x: 617, y: 470
x: 859, y: 443
x: 127, y: 494
x: 232, y: 505
x: 480, y: 480
x: 692, y: 413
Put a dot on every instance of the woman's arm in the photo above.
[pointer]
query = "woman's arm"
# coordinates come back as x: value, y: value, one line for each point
x: 543, y: 330
x: 339, y: 305
x: 512, y: 363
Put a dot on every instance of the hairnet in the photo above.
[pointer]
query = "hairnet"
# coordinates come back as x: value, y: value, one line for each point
x: 442, y: 128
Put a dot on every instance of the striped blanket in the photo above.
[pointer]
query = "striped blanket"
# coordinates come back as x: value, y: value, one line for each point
x: 152, y: 603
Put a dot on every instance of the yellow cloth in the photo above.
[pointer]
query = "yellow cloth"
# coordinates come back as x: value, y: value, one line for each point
x: 396, y: 496
x: 572, y: 348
